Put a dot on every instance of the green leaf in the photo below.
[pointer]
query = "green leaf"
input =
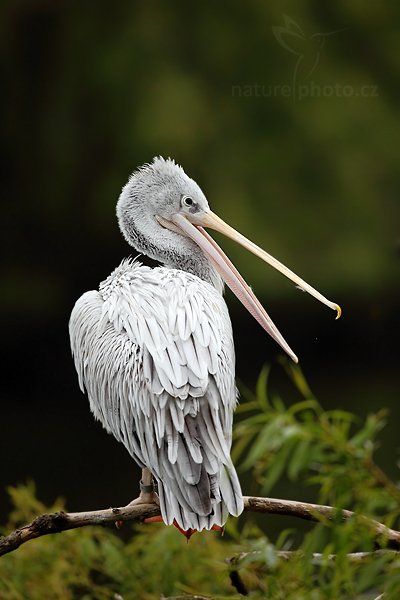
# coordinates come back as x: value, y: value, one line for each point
x: 278, y: 465
x: 261, y: 387
x: 300, y: 459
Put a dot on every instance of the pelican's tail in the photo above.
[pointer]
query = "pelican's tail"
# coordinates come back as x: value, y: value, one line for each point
x: 224, y: 498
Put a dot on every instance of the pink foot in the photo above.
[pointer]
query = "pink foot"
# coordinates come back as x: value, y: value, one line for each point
x: 147, y: 496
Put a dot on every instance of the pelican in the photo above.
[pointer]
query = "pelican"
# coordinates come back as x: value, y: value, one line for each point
x: 154, y: 351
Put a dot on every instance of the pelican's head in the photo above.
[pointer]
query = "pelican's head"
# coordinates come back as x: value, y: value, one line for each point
x: 161, y: 210
x: 160, y: 189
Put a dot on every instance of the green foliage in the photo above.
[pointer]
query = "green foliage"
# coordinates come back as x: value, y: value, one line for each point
x: 94, y: 563
x: 333, y: 452
x: 330, y: 450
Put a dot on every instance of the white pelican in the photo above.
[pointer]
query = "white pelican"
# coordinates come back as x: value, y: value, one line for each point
x: 154, y: 350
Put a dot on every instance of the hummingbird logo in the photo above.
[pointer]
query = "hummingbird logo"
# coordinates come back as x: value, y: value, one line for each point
x: 307, y: 48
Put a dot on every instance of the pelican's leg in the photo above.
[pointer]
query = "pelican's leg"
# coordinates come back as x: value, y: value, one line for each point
x: 147, y: 494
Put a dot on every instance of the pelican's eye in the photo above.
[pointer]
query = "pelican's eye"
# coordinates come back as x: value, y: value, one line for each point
x: 186, y: 201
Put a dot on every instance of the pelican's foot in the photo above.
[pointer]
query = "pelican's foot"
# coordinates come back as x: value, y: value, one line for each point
x: 186, y: 532
x: 147, y: 496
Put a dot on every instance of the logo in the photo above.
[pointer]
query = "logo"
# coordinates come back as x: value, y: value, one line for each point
x: 306, y: 48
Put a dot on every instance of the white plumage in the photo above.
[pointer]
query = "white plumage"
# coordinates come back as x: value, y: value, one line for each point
x: 154, y: 351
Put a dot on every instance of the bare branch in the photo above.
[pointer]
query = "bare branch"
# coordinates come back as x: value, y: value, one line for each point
x: 316, y: 512
x: 62, y: 521
x: 186, y: 597
x: 355, y: 558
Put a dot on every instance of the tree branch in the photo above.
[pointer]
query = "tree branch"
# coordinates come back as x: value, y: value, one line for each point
x: 315, y: 512
x: 355, y: 558
x: 62, y: 521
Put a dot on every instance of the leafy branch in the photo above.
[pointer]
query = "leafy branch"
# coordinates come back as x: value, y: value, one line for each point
x: 327, y: 449
x: 352, y: 549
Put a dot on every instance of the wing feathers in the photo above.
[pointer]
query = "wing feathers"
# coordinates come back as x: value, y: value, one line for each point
x: 154, y: 351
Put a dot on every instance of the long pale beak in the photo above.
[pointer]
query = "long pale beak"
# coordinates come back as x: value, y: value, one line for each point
x: 212, y: 220
x: 194, y: 230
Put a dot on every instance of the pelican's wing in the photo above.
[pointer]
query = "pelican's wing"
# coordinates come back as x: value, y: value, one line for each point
x: 154, y: 351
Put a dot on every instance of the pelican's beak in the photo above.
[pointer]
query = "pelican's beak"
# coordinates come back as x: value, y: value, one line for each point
x: 194, y: 230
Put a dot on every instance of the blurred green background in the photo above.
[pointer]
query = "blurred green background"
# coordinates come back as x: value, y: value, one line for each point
x: 286, y: 114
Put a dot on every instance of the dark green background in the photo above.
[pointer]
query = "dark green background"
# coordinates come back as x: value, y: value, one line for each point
x: 293, y: 135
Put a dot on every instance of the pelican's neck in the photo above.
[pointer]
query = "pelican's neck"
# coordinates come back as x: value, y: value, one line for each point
x: 196, y: 264
x: 172, y: 250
